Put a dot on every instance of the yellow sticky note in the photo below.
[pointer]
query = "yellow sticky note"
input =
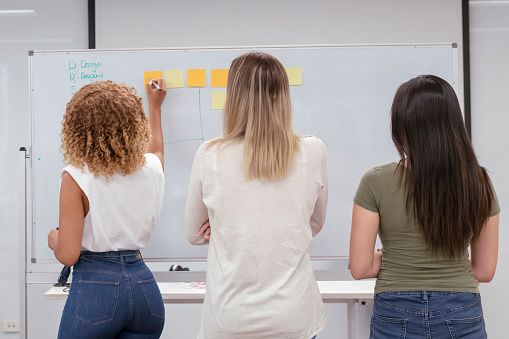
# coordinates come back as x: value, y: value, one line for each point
x: 219, y: 77
x: 196, y: 78
x: 174, y: 78
x: 152, y: 75
x: 294, y: 75
x: 218, y: 100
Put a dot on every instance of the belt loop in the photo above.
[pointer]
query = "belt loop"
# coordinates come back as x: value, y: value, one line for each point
x: 424, y: 295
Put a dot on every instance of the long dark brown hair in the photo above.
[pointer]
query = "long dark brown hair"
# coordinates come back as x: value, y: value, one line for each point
x: 448, y: 191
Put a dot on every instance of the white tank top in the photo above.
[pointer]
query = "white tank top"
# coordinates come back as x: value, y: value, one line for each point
x: 123, y: 210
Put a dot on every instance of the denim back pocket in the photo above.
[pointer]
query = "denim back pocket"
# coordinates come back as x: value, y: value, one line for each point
x: 153, y: 297
x: 385, y: 327
x: 467, y: 328
x: 97, y: 301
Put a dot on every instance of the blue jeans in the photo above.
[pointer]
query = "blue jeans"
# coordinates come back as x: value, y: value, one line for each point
x: 435, y: 315
x: 113, y: 295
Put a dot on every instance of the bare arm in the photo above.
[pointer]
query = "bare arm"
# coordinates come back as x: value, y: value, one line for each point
x: 66, y: 242
x: 364, y: 261
x: 155, y: 100
x: 484, y: 251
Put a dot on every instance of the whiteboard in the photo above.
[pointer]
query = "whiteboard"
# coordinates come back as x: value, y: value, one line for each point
x: 344, y: 100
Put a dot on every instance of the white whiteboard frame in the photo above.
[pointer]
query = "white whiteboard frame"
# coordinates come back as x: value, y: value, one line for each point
x: 198, y: 264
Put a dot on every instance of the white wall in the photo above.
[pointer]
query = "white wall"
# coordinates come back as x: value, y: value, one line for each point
x: 175, y: 23
x: 55, y: 24
x: 489, y: 52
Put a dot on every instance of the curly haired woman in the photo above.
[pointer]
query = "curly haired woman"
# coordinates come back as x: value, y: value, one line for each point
x: 110, y: 195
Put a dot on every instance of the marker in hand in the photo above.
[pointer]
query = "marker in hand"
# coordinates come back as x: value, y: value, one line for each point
x: 155, y: 85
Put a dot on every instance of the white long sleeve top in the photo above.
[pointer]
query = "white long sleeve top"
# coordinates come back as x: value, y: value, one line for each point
x: 260, y: 283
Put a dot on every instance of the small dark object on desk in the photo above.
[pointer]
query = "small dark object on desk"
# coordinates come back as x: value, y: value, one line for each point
x: 178, y: 268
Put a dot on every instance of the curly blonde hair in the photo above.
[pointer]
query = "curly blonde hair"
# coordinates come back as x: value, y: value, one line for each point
x: 105, y: 129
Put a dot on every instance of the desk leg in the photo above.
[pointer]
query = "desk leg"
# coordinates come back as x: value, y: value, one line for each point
x: 352, y: 323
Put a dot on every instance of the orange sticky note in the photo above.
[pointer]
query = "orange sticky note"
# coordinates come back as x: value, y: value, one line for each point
x: 219, y: 77
x: 152, y: 75
x: 294, y: 75
x: 196, y: 78
x: 218, y: 100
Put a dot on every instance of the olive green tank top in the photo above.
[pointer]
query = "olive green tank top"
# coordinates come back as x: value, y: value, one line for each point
x: 407, y: 262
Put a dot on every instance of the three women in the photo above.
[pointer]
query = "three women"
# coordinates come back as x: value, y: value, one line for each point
x: 258, y: 195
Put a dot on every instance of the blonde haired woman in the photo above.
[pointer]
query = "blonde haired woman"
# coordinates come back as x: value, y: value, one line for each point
x: 264, y: 191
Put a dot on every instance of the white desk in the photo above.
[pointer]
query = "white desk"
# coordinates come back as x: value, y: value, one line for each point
x: 349, y: 292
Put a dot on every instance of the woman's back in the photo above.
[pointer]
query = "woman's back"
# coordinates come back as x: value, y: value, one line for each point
x: 122, y: 209
x: 260, y: 282
x: 408, y: 262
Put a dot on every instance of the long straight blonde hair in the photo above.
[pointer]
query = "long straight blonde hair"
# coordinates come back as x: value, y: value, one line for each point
x: 258, y: 112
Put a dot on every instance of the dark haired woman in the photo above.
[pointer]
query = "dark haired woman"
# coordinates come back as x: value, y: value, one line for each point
x: 427, y: 209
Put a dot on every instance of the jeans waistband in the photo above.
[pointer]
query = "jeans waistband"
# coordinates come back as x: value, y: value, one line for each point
x: 424, y: 294
x: 112, y: 254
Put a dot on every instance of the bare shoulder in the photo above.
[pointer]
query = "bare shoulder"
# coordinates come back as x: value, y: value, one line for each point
x: 71, y: 191
x: 68, y: 182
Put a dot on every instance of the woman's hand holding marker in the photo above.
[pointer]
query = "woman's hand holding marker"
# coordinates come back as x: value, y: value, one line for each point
x: 156, y: 91
x: 156, y: 85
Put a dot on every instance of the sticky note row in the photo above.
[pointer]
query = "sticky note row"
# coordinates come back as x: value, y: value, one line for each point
x: 174, y: 78
x: 219, y: 77
x: 195, y: 77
